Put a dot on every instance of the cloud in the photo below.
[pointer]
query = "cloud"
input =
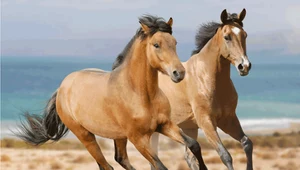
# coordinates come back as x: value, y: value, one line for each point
x: 87, y: 4
x: 292, y: 15
x: 269, y: 25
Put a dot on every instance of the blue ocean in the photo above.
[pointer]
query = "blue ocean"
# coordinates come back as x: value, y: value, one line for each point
x: 269, y: 97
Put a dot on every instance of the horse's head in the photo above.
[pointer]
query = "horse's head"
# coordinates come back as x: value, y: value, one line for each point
x: 233, y: 38
x: 161, y: 48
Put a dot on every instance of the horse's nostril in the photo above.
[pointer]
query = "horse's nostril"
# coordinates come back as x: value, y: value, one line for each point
x: 175, y: 73
x: 250, y: 66
x: 240, y: 67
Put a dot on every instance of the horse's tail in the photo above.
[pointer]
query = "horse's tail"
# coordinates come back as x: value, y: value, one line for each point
x: 38, y: 129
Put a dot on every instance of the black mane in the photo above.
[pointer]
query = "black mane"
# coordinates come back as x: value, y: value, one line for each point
x: 208, y: 30
x: 154, y: 23
x: 204, y: 34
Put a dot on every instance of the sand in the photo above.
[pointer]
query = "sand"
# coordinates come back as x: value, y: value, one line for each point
x: 171, y: 154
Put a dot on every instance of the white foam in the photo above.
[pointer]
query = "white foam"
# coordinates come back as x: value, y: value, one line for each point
x: 267, y: 123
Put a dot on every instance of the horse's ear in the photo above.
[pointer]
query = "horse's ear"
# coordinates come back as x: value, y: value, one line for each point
x: 242, y: 15
x: 224, y: 16
x: 170, y: 22
x: 145, y: 28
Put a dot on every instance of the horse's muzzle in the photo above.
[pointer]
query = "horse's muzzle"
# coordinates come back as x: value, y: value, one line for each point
x: 177, y: 75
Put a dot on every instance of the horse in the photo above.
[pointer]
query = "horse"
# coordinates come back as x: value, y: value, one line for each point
x: 207, y: 98
x: 125, y: 103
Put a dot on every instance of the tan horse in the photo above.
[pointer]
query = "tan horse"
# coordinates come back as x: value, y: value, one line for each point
x: 123, y: 104
x: 206, y: 98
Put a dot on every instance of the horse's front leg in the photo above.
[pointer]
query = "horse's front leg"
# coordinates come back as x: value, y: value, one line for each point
x: 142, y: 144
x: 189, y: 156
x: 231, y: 125
x: 121, y: 154
x: 172, y: 131
x: 154, y: 145
x: 208, y: 125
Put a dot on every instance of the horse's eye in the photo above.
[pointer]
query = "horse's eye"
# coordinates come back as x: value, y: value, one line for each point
x: 156, y: 45
x: 227, y: 38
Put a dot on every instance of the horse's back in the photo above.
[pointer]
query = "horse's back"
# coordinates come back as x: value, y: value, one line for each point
x: 83, y: 84
x: 94, y: 70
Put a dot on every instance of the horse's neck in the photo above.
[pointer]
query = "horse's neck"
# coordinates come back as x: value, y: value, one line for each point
x: 143, y: 77
x: 209, y: 67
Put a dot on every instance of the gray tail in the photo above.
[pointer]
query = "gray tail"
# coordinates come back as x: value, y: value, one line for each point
x: 38, y: 129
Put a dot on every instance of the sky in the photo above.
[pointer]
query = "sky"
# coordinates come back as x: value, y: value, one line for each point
x: 100, y: 27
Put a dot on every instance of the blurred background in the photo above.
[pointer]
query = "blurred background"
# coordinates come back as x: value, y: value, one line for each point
x: 43, y: 41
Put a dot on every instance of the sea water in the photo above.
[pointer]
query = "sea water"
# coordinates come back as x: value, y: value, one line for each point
x: 269, y: 97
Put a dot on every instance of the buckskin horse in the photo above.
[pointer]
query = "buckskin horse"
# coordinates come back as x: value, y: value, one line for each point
x: 123, y: 104
x: 207, y: 98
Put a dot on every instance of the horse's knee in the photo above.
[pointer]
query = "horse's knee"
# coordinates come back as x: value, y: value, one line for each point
x: 247, y: 144
x: 194, y: 146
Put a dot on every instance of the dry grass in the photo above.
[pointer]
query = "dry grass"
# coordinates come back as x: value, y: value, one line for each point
x: 40, y: 159
x: 70, y: 168
x: 266, y: 156
x: 103, y: 145
x: 289, y: 154
x: 55, y: 165
x: 82, y: 159
x: 60, y: 145
x: 5, y: 158
x: 236, y: 152
x: 242, y: 160
x: 289, y: 166
x: 290, y: 140
x: 32, y: 166
x: 182, y: 166
x: 213, y: 160
x: 229, y: 144
x: 67, y: 154
x: 21, y: 154
x: 204, y: 153
x: 277, y: 140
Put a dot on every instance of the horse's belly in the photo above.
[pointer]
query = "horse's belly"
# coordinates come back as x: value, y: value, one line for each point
x: 98, y: 118
x: 104, y: 128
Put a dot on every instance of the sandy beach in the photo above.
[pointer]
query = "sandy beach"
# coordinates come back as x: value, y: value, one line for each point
x: 273, y: 150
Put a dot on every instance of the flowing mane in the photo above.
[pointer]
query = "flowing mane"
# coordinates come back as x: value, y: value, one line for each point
x: 209, y: 29
x: 154, y: 23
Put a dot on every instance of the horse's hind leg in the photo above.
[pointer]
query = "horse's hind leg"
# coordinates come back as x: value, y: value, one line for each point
x: 88, y: 140
x: 142, y: 144
x: 172, y: 131
x: 121, y: 154
x: 231, y: 125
